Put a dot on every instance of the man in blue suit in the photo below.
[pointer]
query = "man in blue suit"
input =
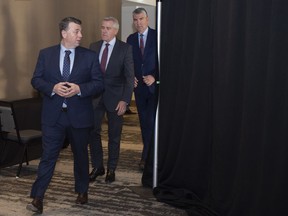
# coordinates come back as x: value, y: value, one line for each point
x: 144, y: 43
x: 68, y: 76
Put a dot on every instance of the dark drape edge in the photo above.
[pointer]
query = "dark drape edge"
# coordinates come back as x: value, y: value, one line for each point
x: 234, y: 90
x: 185, y: 199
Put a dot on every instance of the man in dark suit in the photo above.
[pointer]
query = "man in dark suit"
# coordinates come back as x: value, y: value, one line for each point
x: 68, y: 76
x: 144, y: 43
x: 116, y: 62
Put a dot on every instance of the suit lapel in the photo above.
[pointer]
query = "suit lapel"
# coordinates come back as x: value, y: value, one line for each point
x: 98, y: 47
x: 56, y: 59
x: 76, y: 63
x: 147, y: 44
x: 114, y: 54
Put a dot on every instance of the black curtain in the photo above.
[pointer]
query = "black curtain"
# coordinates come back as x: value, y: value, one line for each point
x: 223, y: 129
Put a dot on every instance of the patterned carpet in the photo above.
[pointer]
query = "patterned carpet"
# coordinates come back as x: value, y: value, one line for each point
x: 125, y: 196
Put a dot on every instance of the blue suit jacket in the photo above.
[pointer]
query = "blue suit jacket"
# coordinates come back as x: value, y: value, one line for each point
x: 148, y: 65
x: 85, y: 73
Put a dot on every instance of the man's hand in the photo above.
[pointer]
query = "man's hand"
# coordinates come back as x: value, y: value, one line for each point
x: 121, y: 108
x: 66, y: 89
x: 148, y: 80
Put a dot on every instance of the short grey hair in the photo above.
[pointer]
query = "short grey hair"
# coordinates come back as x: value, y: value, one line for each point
x: 140, y: 10
x: 114, y: 20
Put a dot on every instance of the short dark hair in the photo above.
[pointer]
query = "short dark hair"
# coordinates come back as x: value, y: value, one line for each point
x: 140, y: 10
x: 63, y: 25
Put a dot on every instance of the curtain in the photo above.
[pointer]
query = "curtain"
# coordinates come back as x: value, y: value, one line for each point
x: 223, y: 143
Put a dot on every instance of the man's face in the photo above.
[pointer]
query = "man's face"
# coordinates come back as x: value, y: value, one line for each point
x: 108, y: 32
x: 72, y: 36
x: 140, y: 22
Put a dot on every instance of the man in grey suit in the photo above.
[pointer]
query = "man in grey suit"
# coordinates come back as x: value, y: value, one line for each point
x: 116, y: 60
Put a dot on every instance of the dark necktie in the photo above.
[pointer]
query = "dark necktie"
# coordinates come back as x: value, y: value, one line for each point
x: 66, y: 70
x: 66, y: 65
x: 141, y: 44
x: 104, y: 58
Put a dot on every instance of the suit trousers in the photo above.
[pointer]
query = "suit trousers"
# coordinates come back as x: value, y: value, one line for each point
x: 53, y: 138
x: 146, y: 103
x: 115, y: 124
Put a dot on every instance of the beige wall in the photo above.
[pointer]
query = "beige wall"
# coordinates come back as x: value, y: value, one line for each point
x: 26, y: 26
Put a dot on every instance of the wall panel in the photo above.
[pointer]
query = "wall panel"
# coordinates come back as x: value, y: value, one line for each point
x: 27, y: 26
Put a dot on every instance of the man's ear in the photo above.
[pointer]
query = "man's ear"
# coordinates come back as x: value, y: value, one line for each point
x: 63, y: 33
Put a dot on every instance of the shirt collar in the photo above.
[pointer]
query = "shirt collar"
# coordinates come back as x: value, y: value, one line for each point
x: 63, y: 49
x: 144, y: 33
x: 111, y: 43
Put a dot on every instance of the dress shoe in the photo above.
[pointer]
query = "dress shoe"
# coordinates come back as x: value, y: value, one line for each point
x: 35, y: 206
x: 142, y: 165
x: 110, y: 177
x: 82, y: 198
x: 96, y: 172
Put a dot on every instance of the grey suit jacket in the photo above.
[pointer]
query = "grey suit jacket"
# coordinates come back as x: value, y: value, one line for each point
x: 119, y: 74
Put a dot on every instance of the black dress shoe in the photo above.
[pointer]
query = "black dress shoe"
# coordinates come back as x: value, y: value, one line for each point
x: 110, y: 177
x: 82, y: 198
x: 35, y: 206
x: 96, y: 172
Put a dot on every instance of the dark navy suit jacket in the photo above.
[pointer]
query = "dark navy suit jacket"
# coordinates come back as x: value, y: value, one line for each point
x: 148, y: 65
x: 85, y: 73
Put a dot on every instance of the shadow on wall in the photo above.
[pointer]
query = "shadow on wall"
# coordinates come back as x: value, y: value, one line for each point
x: 28, y: 26
x: 25, y: 31
x: 8, y: 71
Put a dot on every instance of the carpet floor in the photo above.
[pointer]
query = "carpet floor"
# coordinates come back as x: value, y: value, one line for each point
x: 125, y: 196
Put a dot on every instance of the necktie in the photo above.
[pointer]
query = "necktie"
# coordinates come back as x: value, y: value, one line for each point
x: 141, y: 44
x: 66, y: 70
x: 104, y: 58
x: 66, y: 65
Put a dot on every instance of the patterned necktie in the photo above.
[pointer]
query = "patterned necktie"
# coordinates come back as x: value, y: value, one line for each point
x: 104, y: 58
x: 141, y: 44
x: 66, y: 65
x: 66, y: 70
